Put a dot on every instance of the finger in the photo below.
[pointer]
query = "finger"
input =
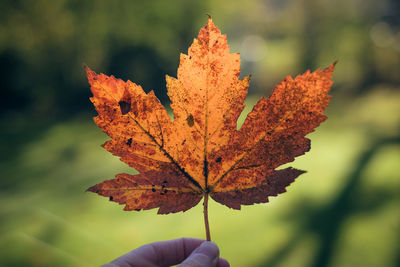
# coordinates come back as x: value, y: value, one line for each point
x: 206, y: 255
x: 223, y: 263
x: 162, y: 253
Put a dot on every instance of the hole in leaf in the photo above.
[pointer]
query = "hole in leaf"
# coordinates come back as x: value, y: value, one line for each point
x: 124, y: 106
x: 129, y: 142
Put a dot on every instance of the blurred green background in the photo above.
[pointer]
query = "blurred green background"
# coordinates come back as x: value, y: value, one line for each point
x: 343, y: 212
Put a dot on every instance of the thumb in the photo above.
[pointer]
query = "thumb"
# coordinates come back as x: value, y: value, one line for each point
x: 206, y: 255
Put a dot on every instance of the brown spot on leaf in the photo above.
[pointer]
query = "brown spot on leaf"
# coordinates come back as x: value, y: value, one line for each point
x: 190, y: 120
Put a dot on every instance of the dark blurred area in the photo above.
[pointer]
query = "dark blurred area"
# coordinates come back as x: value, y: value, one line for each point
x: 44, y: 45
x: 48, y: 137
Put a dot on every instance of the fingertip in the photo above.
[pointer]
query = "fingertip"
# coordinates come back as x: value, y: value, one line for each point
x: 207, y: 254
x: 208, y: 248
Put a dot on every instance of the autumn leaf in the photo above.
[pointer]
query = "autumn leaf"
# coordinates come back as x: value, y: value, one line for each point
x: 200, y: 152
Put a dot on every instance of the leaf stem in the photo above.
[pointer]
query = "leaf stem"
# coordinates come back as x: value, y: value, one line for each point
x: 205, y: 205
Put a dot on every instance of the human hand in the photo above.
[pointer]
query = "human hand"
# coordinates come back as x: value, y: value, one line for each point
x: 188, y: 252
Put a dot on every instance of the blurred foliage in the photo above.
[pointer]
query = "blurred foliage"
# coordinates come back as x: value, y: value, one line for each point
x: 343, y: 212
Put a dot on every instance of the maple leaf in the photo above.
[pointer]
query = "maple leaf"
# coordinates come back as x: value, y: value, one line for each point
x: 200, y: 152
